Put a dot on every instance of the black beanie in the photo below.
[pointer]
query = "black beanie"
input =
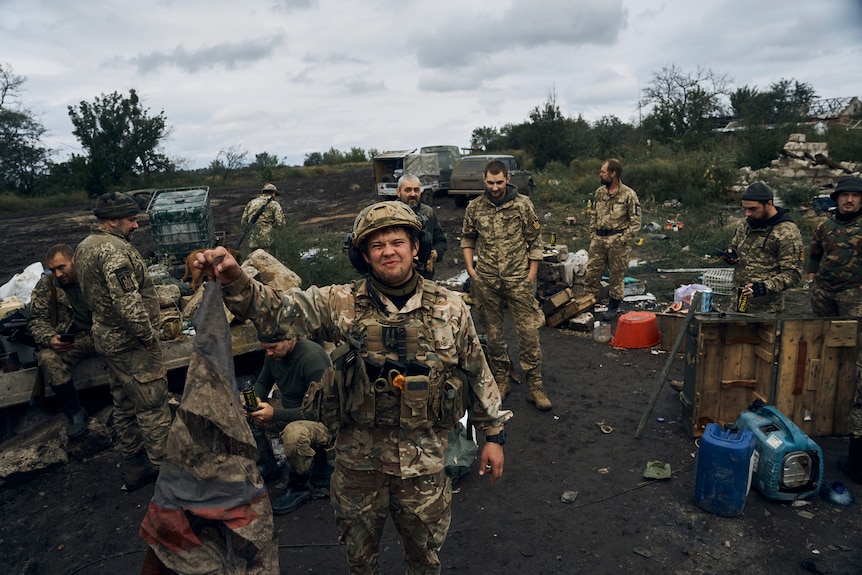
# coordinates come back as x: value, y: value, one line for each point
x: 757, y: 192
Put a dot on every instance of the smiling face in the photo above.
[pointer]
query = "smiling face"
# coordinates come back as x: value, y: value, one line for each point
x: 389, y: 253
x: 848, y: 202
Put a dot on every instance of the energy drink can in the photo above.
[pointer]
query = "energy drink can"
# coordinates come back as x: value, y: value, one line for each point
x: 553, y: 238
x: 706, y: 300
x: 249, y: 397
x: 741, y: 300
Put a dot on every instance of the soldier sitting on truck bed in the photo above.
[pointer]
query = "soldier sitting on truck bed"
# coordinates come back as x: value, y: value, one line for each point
x: 60, y: 322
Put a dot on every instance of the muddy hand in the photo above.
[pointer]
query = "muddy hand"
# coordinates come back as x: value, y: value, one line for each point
x: 218, y: 264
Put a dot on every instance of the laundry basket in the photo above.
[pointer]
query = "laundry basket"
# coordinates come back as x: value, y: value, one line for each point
x: 720, y: 280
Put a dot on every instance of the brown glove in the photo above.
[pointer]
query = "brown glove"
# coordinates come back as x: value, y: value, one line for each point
x: 429, y: 265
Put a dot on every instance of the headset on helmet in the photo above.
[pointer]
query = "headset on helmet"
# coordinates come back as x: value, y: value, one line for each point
x: 384, y: 215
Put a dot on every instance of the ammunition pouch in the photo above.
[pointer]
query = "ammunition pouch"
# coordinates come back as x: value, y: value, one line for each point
x: 453, y: 400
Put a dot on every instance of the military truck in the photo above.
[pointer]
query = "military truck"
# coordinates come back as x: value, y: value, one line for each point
x: 468, y: 177
x: 389, y: 166
x: 447, y: 157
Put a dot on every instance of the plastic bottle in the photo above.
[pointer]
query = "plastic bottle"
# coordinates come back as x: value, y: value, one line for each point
x: 601, y: 332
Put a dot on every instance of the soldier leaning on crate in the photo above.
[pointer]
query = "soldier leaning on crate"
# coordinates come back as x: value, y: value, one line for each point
x: 835, y: 288
x: 766, y: 250
x: 60, y: 322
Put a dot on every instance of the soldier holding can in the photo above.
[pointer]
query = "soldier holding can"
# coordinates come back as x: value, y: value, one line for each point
x: 766, y: 250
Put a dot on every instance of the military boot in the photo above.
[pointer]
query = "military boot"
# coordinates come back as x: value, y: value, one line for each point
x: 75, y: 413
x: 503, y: 385
x: 267, y: 464
x: 613, y: 310
x: 536, y: 395
x: 298, y: 492
x: 852, y: 464
x: 138, y: 471
x: 319, y: 475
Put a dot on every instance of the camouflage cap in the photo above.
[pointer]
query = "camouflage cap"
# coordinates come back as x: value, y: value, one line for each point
x: 114, y: 206
x: 269, y: 188
x: 271, y: 333
x: 757, y: 192
x: 850, y: 184
x: 383, y: 215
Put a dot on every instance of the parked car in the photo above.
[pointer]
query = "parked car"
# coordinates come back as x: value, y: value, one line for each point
x: 468, y: 177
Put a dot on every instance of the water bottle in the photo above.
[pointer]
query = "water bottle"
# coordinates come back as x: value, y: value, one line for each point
x: 601, y: 332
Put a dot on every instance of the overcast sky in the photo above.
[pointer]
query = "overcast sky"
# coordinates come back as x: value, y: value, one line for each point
x: 290, y: 77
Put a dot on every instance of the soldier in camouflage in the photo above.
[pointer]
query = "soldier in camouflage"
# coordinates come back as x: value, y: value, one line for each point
x: 271, y: 218
x: 502, y: 226
x: 60, y: 322
x: 835, y: 289
x: 614, y: 222
x: 411, y: 351
x: 117, y: 288
x: 410, y: 192
x: 766, y: 250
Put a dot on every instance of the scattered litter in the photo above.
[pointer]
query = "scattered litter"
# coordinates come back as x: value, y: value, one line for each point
x: 605, y: 428
x: 805, y: 514
x: 643, y: 552
x: 568, y: 496
x: 652, y: 227
x: 603, y: 470
x: 657, y: 470
x: 800, y: 503
x: 660, y: 419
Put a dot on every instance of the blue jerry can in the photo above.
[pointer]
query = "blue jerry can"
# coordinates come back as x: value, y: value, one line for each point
x: 789, y: 464
x: 723, y: 473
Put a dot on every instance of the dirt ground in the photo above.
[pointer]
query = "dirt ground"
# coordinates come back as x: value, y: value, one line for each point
x: 74, y: 518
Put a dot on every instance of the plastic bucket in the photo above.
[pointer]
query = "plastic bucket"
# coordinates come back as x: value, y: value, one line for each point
x: 637, y: 329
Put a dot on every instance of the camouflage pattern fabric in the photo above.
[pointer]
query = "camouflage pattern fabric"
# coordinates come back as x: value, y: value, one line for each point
x: 421, y: 508
x: 330, y: 313
x: 117, y: 288
x: 619, y: 212
x: 506, y: 238
x: 773, y: 255
x: 272, y: 218
x: 57, y: 367
x: 835, y: 292
x: 301, y: 440
x: 834, y: 257
x: 210, y: 511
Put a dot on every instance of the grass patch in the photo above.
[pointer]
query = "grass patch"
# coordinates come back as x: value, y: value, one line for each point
x: 10, y: 203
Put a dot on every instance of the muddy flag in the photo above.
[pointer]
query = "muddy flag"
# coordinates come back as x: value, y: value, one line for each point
x: 210, y: 512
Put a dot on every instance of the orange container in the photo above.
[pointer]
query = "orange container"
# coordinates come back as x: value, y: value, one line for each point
x: 636, y: 329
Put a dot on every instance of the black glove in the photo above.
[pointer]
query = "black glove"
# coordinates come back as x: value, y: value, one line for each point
x: 758, y: 289
x: 730, y: 256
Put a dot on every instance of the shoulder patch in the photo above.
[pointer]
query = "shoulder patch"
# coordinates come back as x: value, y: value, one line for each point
x: 537, y: 225
x: 124, y: 277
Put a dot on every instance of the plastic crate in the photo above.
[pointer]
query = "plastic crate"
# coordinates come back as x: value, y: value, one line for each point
x: 720, y: 280
x: 181, y: 221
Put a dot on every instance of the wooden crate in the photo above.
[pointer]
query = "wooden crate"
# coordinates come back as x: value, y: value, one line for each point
x: 571, y: 309
x: 556, y: 301
x: 669, y: 326
x: 816, y: 373
x: 805, y: 367
x: 728, y: 364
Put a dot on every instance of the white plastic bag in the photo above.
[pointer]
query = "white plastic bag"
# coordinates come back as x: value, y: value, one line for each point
x: 684, y: 293
x: 22, y: 284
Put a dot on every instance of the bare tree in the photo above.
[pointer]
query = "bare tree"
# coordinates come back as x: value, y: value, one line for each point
x: 229, y: 161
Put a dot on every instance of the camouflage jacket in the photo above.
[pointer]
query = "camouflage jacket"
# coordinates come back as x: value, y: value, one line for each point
x: 119, y: 291
x: 506, y: 236
x: 835, y: 254
x: 772, y: 254
x: 341, y: 312
x: 272, y: 218
x: 621, y: 211
x: 39, y: 322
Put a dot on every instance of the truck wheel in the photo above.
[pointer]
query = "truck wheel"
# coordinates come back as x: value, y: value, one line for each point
x: 531, y: 187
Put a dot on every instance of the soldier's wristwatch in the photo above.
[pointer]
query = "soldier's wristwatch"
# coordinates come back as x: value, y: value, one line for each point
x: 499, y: 438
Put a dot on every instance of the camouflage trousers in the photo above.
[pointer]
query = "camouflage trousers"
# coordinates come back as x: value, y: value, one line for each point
x: 302, y: 440
x: 139, y: 390
x: 825, y: 303
x: 57, y: 366
x: 607, y: 251
x: 528, y: 318
x: 421, y: 509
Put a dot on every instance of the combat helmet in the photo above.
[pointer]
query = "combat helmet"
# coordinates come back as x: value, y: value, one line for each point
x: 383, y: 215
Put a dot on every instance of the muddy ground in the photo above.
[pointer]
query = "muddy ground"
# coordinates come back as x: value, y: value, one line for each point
x: 75, y: 519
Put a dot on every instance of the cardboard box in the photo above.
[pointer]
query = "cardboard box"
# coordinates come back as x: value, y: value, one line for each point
x: 570, y: 309
x: 805, y: 367
x: 556, y: 301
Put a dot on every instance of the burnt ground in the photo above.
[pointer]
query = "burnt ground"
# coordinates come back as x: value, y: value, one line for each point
x: 74, y: 518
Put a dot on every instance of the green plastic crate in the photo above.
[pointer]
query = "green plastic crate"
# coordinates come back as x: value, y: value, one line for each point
x: 181, y: 221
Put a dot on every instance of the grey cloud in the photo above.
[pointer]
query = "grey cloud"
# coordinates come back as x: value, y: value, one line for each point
x: 333, y: 58
x: 460, y: 42
x: 357, y: 86
x: 227, y: 55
